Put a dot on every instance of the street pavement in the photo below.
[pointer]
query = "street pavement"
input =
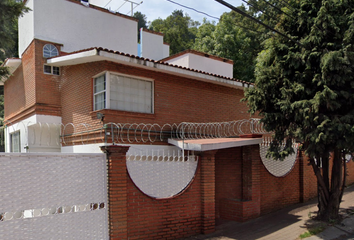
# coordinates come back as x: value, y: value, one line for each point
x: 288, y: 224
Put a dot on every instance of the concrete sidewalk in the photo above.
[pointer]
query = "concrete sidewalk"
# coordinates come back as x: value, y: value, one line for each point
x: 288, y: 224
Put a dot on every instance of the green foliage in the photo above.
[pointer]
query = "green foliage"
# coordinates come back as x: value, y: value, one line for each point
x: 239, y: 38
x: 228, y: 39
x: 313, y: 231
x: 142, y: 22
x: 179, y: 29
x: 306, y: 92
x: 9, y: 12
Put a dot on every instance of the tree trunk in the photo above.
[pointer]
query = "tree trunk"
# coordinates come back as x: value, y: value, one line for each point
x: 329, y: 196
x: 329, y: 211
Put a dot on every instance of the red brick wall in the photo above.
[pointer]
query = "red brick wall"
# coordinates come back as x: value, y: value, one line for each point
x: 300, y: 185
x: 164, y: 219
x: 350, y: 171
x: 228, y: 167
x: 19, y: 89
x: 47, y: 85
x: 30, y: 87
x: 177, y: 99
x: 133, y: 215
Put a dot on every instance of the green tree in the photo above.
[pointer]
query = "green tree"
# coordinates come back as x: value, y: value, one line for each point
x: 232, y: 39
x: 10, y: 10
x: 179, y: 30
x: 142, y: 22
x: 305, y: 91
x: 239, y: 38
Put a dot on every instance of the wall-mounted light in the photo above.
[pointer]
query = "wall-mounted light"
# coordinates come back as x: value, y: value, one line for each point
x: 100, y: 116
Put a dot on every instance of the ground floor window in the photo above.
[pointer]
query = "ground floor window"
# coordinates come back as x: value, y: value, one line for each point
x: 15, y: 142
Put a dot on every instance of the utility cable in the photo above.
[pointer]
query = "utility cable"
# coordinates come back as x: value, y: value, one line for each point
x: 211, y: 16
x: 275, y: 7
x: 252, y: 5
x: 193, y: 9
x: 107, y: 3
x: 121, y: 6
x: 256, y: 20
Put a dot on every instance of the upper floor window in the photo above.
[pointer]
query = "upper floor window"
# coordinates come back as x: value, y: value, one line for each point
x: 49, y: 50
x: 51, y: 70
x: 125, y: 93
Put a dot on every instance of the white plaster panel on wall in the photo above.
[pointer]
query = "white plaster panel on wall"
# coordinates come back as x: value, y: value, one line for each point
x: 78, y: 27
x: 151, y: 45
x: 182, y: 60
x: 166, y: 50
x: 25, y: 29
x: 205, y: 64
x: 210, y: 65
x: 39, y: 132
x: 87, y: 148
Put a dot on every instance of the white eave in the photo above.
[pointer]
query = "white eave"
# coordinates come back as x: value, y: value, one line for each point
x: 94, y: 55
x: 213, y: 144
x: 12, y: 64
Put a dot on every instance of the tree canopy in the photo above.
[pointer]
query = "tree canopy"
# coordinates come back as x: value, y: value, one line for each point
x: 234, y: 38
x: 10, y: 10
x: 305, y: 91
x: 179, y: 30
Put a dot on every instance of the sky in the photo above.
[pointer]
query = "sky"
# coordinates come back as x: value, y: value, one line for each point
x: 154, y: 9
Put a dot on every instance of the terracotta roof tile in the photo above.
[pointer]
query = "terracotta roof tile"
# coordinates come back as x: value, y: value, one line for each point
x: 160, y: 62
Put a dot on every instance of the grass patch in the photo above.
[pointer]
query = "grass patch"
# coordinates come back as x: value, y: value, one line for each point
x: 313, y: 231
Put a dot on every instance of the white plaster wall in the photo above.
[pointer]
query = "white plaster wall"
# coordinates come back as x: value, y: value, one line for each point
x: 78, y: 27
x: 182, y: 60
x: 39, y: 132
x: 166, y: 51
x: 89, y: 148
x: 134, y: 149
x: 206, y: 64
x: 26, y: 29
x: 152, y: 46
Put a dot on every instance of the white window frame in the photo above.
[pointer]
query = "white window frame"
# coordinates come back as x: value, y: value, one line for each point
x: 51, y: 70
x: 104, y: 91
x: 49, y: 50
x: 12, y: 143
x: 108, y: 88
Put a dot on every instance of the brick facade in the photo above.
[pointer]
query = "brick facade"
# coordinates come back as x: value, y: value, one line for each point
x: 70, y: 95
x: 229, y: 184
x: 29, y: 91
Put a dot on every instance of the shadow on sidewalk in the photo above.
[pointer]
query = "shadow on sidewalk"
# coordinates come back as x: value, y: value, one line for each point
x: 290, y: 222
x: 262, y: 226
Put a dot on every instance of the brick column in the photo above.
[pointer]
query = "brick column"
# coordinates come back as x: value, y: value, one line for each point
x: 117, y: 191
x: 207, y: 166
x: 251, y: 180
x: 307, y: 177
x: 246, y: 174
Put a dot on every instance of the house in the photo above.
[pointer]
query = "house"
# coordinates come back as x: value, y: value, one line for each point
x: 63, y: 67
x: 167, y: 123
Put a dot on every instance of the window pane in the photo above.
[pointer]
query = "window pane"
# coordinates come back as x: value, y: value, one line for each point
x: 100, y: 101
x: 15, y: 142
x: 56, y: 70
x: 100, y: 84
x: 47, y: 69
x: 130, y: 94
